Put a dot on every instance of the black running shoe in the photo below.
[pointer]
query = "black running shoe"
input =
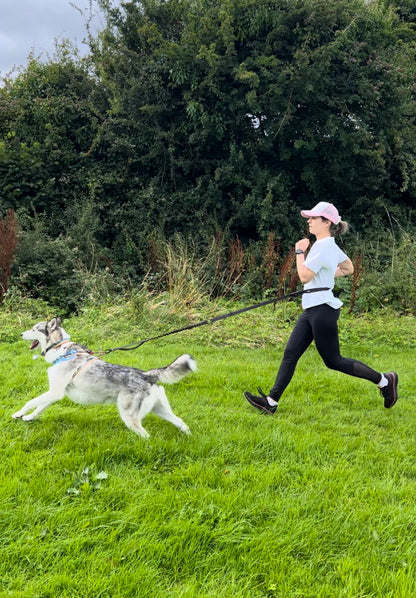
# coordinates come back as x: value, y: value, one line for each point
x: 389, y: 392
x: 260, y: 402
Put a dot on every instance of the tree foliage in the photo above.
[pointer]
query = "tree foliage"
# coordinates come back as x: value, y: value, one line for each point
x: 214, y: 117
x: 238, y: 111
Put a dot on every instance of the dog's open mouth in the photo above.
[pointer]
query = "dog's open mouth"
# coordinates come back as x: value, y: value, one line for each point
x: 34, y: 345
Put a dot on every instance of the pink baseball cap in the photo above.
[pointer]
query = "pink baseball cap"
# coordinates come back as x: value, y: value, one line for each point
x: 325, y: 209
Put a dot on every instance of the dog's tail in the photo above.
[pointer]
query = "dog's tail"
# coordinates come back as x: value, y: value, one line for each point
x: 182, y: 366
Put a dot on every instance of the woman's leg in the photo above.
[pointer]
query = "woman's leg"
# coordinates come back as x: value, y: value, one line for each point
x: 321, y: 325
x: 299, y: 340
x: 324, y: 323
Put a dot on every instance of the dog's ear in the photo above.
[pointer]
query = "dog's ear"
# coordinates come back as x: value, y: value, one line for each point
x: 54, y: 323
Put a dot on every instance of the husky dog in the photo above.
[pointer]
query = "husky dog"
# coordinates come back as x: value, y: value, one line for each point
x: 86, y: 379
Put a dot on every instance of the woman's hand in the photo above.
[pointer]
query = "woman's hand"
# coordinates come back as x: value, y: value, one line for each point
x: 303, y: 244
x: 344, y: 268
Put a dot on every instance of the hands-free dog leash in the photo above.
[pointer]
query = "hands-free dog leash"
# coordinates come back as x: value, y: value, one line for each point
x: 71, y: 355
x: 82, y: 366
x: 211, y: 320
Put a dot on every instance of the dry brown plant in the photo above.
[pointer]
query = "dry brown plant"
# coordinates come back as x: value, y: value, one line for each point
x: 8, y: 243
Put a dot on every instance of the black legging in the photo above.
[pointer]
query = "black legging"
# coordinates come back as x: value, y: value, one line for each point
x: 319, y: 324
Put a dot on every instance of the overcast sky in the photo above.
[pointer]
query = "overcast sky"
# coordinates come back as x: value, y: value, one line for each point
x: 34, y: 25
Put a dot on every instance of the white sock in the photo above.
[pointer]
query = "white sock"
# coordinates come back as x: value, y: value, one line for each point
x: 271, y: 401
x: 383, y: 382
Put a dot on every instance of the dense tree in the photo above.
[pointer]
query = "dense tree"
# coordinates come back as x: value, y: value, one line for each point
x: 230, y: 113
x: 47, y: 124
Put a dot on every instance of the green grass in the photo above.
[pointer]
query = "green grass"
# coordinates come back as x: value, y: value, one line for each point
x: 317, y: 501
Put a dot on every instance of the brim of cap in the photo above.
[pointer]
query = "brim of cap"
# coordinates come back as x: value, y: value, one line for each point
x: 309, y: 213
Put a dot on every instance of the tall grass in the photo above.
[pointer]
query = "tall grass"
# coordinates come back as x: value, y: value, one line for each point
x: 185, y: 276
x: 390, y: 274
x: 189, y: 271
x: 317, y: 501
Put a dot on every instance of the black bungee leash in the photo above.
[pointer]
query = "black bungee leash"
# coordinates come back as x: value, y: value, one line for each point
x: 212, y: 320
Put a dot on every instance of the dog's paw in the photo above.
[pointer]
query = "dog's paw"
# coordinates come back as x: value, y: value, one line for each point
x: 186, y: 430
x: 28, y: 418
x: 17, y: 415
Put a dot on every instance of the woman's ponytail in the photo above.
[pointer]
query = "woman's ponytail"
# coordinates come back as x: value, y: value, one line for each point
x: 339, y: 229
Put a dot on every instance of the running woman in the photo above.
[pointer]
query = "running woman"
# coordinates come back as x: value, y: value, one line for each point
x: 319, y: 319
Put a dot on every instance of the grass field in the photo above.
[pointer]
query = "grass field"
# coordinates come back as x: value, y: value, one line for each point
x: 317, y: 501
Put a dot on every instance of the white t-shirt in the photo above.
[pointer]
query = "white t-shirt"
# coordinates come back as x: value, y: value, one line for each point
x: 323, y: 259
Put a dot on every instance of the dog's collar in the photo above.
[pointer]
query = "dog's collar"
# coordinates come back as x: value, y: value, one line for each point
x: 55, y: 345
x: 70, y: 355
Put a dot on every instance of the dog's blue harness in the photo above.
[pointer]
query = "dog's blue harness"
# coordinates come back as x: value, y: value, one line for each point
x: 70, y: 355
x: 67, y: 357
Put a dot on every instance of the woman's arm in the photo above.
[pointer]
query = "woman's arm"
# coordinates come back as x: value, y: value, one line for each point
x: 304, y: 273
x: 344, y: 268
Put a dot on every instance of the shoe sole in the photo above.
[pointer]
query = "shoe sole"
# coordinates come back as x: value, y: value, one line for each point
x: 260, y: 407
x: 395, y: 378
